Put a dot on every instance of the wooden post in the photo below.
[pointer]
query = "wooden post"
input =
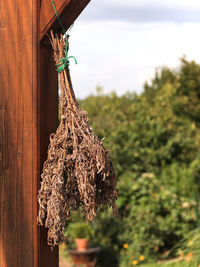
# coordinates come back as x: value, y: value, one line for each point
x: 28, y: 114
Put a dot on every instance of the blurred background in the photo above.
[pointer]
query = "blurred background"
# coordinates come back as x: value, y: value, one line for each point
x: 118, y: 44
x: 138, y: 77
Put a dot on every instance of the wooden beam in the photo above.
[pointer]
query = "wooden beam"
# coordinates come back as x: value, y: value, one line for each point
x: 68, y: 11
x: 19, y: 169
x: 48, y: 119
x: 28, y: 114
x: 47, y: 13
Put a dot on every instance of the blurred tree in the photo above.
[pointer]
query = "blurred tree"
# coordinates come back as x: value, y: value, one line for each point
x: 154, y: 140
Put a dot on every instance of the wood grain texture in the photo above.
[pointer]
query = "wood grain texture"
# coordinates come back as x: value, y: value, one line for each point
x: 28, y: 112
x: 47, y: 15
x: 48, y: 123
x: 18, y: 127
x: 68, y: 11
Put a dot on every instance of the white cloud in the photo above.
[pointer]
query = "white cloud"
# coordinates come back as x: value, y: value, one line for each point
x: 143, y: 11
x: 122, y: 55
x: 171, y: 3
x: 184, y: 3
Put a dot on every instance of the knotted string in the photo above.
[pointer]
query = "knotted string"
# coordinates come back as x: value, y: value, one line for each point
x: 64, y: 62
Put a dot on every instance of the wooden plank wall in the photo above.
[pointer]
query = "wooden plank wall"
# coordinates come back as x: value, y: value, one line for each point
x: 28, y: 113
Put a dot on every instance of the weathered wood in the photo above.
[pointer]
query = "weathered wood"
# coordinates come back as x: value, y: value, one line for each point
x: 68, y: 10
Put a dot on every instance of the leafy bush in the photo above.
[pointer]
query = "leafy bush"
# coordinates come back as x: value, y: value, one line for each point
x: 154, y: 139
x: 154, y: 218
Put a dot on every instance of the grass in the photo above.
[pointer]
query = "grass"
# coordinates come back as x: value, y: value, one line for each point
x: 175, y: 264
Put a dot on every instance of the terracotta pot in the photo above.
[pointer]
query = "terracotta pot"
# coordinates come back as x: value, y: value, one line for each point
x: 81, y: 244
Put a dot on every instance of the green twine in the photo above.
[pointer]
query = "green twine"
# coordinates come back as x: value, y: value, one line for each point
x: 64, y: 62
x: 58, y: 16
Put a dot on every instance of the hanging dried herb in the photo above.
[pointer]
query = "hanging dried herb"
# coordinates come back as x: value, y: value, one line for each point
x: 78, y: 171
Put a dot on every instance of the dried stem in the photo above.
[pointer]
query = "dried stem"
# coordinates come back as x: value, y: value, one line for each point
x: 78, y: 171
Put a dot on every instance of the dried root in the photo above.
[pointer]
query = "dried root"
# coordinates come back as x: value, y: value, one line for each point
x: 78, y: 171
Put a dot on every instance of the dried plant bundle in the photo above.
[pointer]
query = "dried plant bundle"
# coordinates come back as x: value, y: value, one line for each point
x: 78, y: 171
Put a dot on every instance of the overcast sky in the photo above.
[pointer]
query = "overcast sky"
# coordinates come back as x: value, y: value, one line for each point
x: 118, y: 44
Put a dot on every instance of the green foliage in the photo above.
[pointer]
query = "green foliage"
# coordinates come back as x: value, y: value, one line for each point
x: 188, y: 248
x: 174, y: 264
x: 80, y: 230
x: 154, y: 218
x: 77, y: 228
x: 154, y: 140
x: 106, y: 232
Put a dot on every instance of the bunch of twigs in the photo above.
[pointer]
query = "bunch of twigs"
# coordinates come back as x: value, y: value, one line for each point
x: 78, y: 171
